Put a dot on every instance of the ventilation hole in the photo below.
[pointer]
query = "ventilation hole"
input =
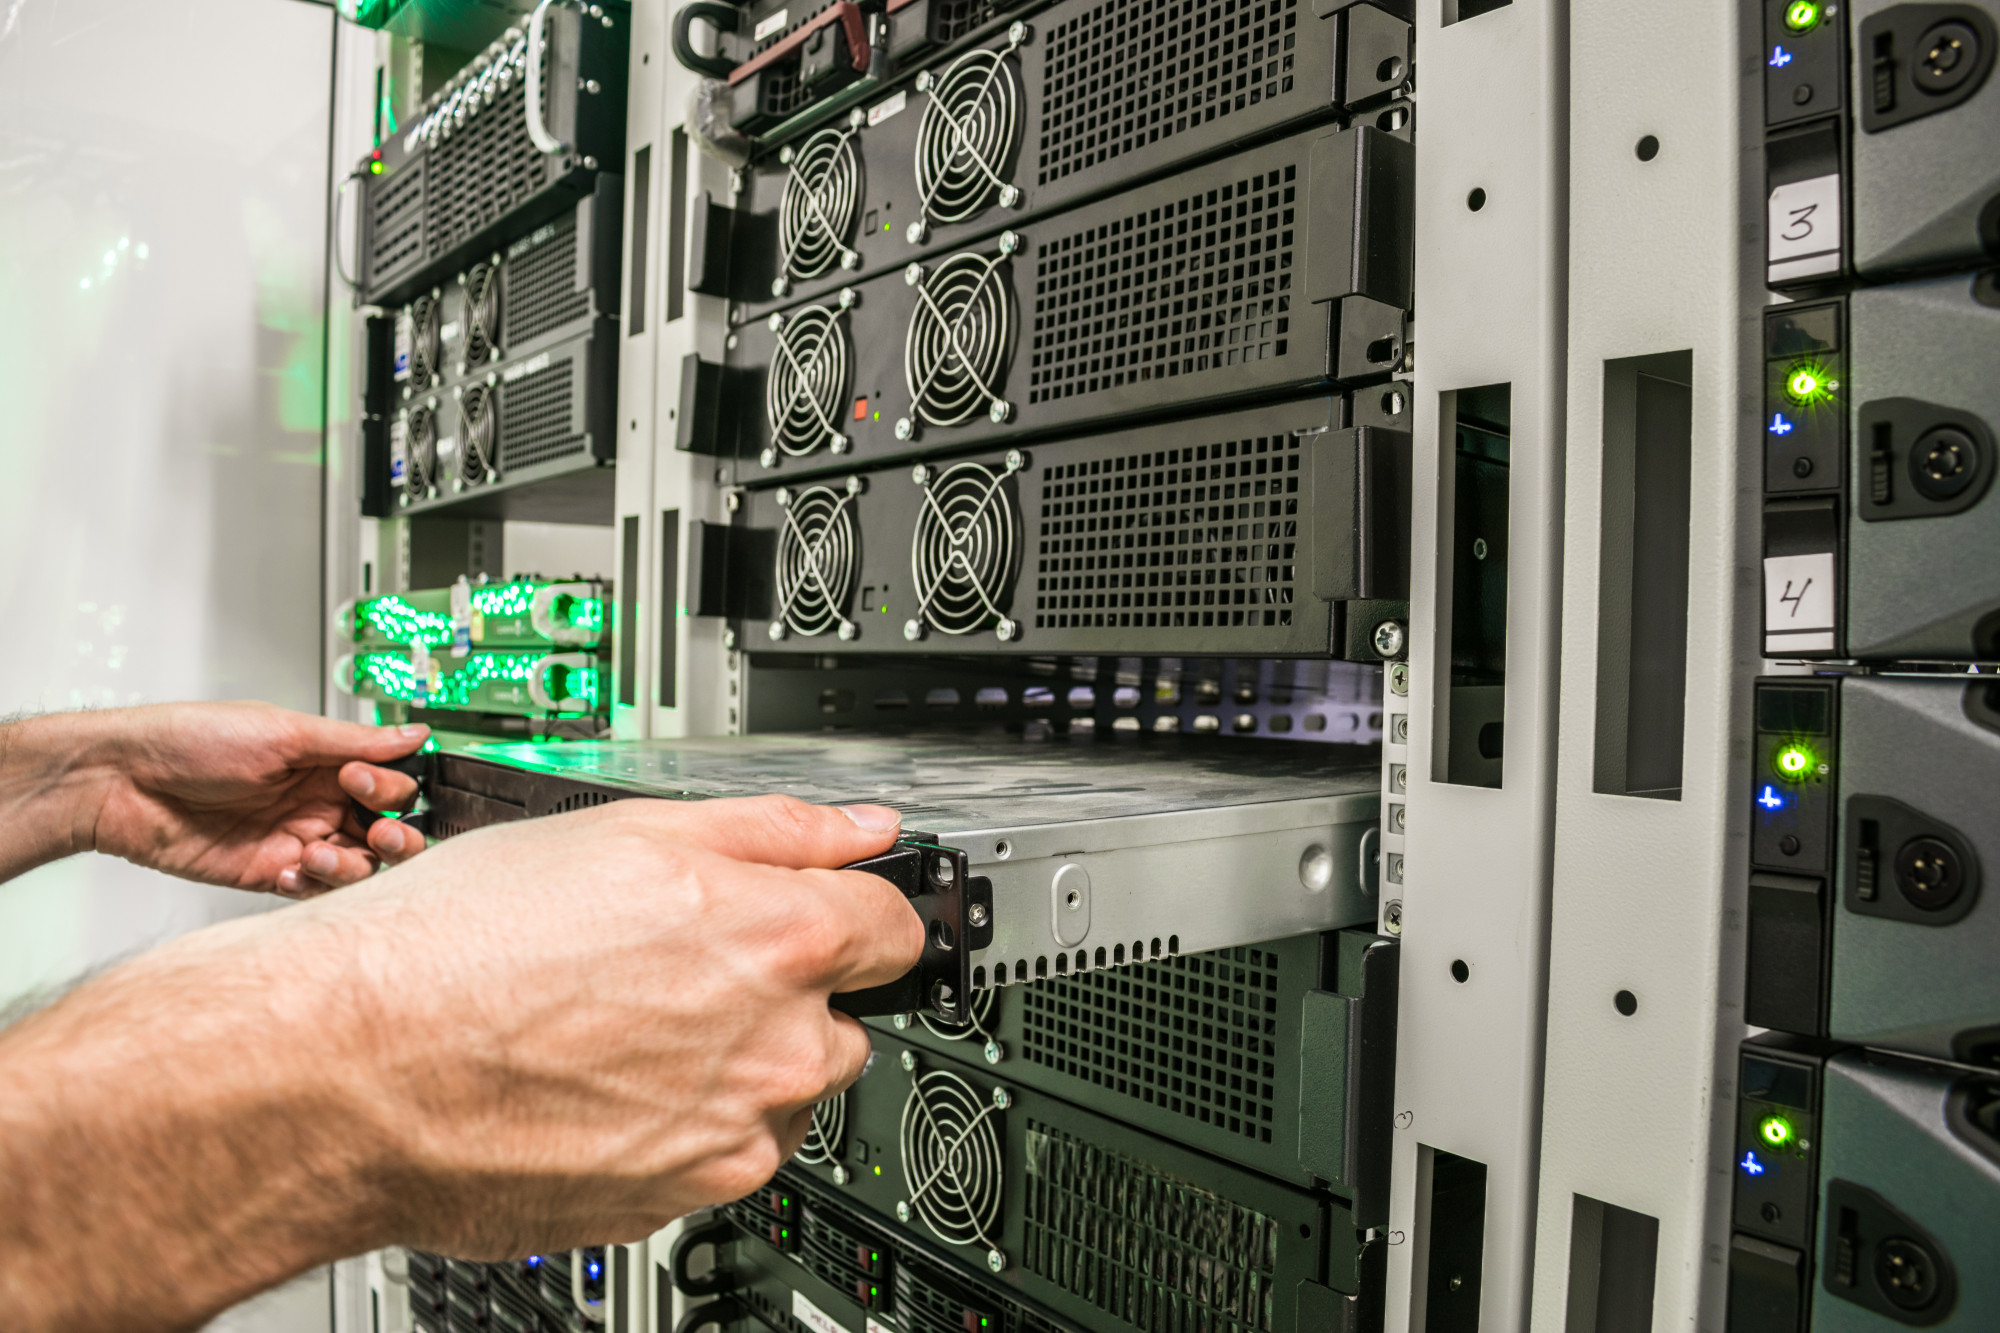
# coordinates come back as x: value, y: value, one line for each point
x: 941, y: 698
x: 979, y: 978
x: 991, y: 697
x: 1100, y: 955
x: 1381, y: 351
x: 1082, y: 697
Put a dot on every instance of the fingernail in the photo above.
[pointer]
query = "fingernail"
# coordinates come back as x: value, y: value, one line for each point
x: 413, y: 731
x: 873, y: 818
x: 870, y: 1063
x: 288, y: 880
x: 321, y: 861
x: 364, y: 780
x: 392, y: 836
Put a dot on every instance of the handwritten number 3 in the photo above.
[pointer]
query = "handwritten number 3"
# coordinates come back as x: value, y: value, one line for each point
x: 1801, y: 224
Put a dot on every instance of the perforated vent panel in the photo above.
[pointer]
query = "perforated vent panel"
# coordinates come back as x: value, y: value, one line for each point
x: 540, y: 292
x: 536, y: 412
x: 952, y: 19
x: 1205, y: 536
x: 483, y: 170
x: 780, y: 91
x: 1127, y: 73
x: 1195, y: 1035
x: 395, y: 225
x: 1200, y: 284
x: 1143, y: 1246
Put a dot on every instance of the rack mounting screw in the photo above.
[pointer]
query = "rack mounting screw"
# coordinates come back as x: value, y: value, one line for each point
x: 902, y: 1022
x: 1389, y: 638
x: 1392, y: 916
x: 902, y: 1211
x: 977, y: 914
x: 994, y: 1053
x: 996, y: 1260
x: 1399, y: 678
x: 909, y: 1062
x: 729, y: 640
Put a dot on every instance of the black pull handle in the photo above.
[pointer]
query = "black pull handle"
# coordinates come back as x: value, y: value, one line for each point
x: 716, y: 1234
x: 719, y: 16
x: 722, y: 1314
x: 416, y: 766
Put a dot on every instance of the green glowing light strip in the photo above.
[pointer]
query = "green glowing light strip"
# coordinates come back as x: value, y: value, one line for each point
x: 482, y: 682
x: 502, y: 617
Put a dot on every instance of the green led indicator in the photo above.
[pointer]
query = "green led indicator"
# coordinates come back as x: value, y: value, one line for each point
x: 1802, y: 15
x: 1807, y: 384
x: 878, y: 1170
x: 1776, y: 1130
x: 1793, y: 761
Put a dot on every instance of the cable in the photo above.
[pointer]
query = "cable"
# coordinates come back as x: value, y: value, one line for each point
x: 339, y: 195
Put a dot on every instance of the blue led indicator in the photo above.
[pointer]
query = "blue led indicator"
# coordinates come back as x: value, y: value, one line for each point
x: 534, y: 1261
x: 1751, y: 1166
x: 1771, y: 798
x: 1780, y: 57
x: 596, y: 1269
x: 1780, y: 426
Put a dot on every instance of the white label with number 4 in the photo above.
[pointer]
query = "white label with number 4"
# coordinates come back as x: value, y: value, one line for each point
x: 1798, y: 604
x: 1804, y: 227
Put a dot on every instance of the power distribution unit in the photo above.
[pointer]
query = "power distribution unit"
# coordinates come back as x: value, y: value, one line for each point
x: 1880, y: 157
x: 481, y: 166
x: 1083, y: 100
x: 1283, y: 270
x: 1243, y: 534
x: 1867, y: 1191
x: 1873, y: 828
x: 1880, y: 444
x: 1044, y: 1203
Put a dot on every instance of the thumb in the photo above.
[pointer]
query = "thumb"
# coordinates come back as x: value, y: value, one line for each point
x: 325, y: 741
x: 774, y: 830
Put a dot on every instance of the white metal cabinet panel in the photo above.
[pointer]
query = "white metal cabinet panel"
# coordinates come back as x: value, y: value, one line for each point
x: 1490, y: 117
x: 1657, y: 264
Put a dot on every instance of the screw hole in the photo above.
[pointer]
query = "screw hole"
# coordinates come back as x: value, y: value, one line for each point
x: 1003, y: 849
x: 1627, y: 1003
x: 1476, y: 200
x: 1459, y: 971
x: 1648, y: 148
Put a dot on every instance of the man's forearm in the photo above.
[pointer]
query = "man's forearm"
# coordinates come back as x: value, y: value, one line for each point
x: 177, y: 1136
x: 53, y: 773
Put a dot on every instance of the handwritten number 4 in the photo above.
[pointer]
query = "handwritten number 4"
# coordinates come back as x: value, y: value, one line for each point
x: 1797, y: 599
x: 1801, y: 225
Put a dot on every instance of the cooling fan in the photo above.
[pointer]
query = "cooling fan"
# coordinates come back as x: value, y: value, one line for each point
x: 827, y: 1133
x: 479, y: 433
x: 962, y: 558
x: 819, y: 556
x: 952, y: 1159
x: 425, y: 348
x: 807, y: 382
x: 413, y: 443
x: 481, y: 316
x: 968, y: 138
x: 961, y: 333
x: 822, y: 200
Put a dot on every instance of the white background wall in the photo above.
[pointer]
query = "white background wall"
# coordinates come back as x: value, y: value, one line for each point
x: 163, y: 172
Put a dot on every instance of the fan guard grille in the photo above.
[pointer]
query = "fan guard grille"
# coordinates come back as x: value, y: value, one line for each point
x: 807, y: 383
x: 968, y: 138
x: 962, y: 558
x: 426, y: 341
x: 420, y: 441
x: 482, y: 316
x: 822, y: 200
x: 961, y: 333
x: 952, y: 1159
x: 828, y: 1131
x: 819, y: 557
x: 479, y: 433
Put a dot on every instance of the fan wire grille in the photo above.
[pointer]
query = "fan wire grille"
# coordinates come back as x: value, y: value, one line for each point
x: 822, y: 199
x: 482, y: 316
x: 962, y: 556
x: 969, y: 135
x: 808, y: 379
x: 479, y: 434
x: 961, y: 332
x: 420, y: 440
x: 952, y: 1159
x: 828, y: 1131
x: 818, y: 557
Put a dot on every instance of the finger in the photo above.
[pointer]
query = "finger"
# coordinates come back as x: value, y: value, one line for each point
x: 793, y: 1136
x: 322, y: 740
x: 378, y: 788
x: 394, y: 841
x: 876, y: 936
x: 336, y: 862
x: 848, y: 1053
x: 774, y: 830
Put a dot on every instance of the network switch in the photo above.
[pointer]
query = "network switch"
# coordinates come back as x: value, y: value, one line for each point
x: 514, y: 614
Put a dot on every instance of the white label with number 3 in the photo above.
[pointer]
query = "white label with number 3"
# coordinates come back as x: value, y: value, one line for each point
x: 1804, y: 227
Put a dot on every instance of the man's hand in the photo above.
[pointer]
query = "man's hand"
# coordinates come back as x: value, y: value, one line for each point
x: 245, y: 795
x: 545, y: 1034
